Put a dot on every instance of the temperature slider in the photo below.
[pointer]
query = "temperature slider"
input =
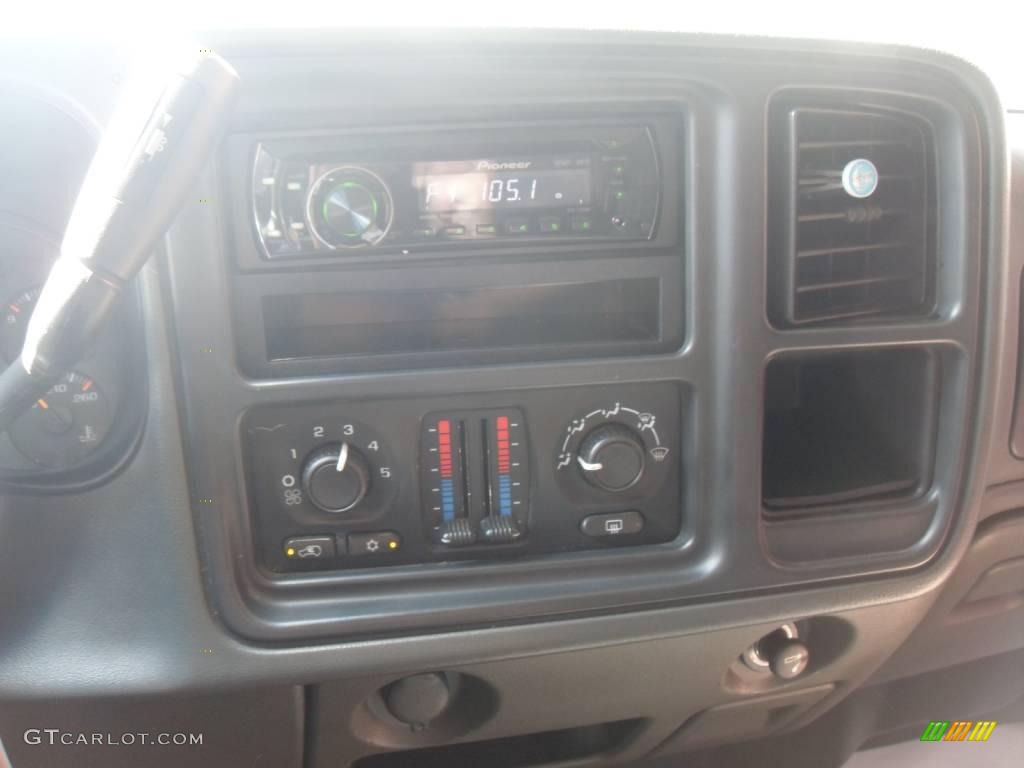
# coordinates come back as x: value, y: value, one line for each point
x: 449, y: 497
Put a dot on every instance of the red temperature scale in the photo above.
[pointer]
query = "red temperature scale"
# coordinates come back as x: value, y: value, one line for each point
x: 447, y: 467
x: 504, y: 466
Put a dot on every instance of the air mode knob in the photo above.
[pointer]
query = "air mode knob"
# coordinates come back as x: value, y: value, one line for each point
x: 336, y: 477
x: 611, y: 457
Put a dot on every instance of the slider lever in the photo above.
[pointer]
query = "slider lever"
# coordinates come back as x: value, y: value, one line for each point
x: 499, y: 529
x: 457, y: 533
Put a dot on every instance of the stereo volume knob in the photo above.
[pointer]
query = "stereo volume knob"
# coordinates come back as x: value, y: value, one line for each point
x: 349, y: 207
x: 612, y: 457
x: 336, y: 477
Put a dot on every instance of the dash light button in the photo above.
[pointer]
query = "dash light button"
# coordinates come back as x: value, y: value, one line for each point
x: 379, y: 543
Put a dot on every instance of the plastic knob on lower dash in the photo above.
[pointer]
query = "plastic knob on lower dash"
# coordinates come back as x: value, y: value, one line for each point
x: 789, y: 659
x: 418, y: 699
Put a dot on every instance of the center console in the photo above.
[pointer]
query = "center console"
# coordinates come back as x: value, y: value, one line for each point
x: 563, y: 235
x: 476, y: 477
x: 513, y: 347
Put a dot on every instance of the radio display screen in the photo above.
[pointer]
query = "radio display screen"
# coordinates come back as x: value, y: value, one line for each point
x: 481, y: 185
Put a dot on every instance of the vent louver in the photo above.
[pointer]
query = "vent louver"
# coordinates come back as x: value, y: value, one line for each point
x: 851, y: 234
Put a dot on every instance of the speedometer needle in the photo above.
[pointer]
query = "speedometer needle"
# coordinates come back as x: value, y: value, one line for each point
x: 43, y: 404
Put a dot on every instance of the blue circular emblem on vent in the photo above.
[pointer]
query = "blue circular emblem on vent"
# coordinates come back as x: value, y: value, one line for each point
x: 860, y: 178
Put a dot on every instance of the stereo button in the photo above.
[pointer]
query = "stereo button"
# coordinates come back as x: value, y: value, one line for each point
x: 380, y: 543
x: 550, y: 224
x: 581, y: 224
x: 615, y: 524
x: 517, y: 226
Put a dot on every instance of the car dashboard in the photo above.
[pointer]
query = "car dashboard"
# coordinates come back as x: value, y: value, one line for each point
x: 527, y: 398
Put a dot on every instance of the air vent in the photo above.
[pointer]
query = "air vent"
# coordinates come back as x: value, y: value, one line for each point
x: 852, y: 215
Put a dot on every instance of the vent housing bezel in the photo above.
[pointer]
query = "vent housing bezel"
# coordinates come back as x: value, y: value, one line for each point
x: 850, y: 260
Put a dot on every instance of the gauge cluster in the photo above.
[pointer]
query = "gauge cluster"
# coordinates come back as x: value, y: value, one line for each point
x: 86, y: 424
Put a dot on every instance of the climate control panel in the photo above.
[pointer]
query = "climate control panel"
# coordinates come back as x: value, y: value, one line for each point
x: 350, y: 485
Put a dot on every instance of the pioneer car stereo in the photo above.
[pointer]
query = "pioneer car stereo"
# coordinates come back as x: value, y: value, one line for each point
x: 435, y: 189
x: 436, y: 244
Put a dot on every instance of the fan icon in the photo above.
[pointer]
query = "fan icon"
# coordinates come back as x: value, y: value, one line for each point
x: 372, y: 545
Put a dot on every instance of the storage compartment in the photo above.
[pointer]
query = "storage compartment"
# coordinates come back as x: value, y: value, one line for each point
x: 848, y: 426
x: 418, y: 321
x: 742, y: 720
x: 514, y: 751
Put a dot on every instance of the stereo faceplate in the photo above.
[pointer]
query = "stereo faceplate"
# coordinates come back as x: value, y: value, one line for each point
x: 392, y: 190
x: 384, y: 483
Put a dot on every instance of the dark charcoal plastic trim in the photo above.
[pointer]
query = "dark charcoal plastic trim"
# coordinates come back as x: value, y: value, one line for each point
x: 726, y: 84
